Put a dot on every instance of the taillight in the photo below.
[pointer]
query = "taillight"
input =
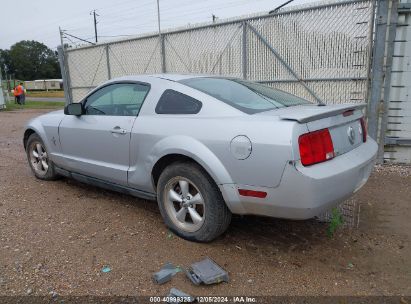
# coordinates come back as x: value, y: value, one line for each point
x: 316, y: 147
x: 253, y: 193
x: 348, y: 113
x: 364, y: 129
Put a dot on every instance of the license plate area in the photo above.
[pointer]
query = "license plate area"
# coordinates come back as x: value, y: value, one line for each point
x: 346, y: 137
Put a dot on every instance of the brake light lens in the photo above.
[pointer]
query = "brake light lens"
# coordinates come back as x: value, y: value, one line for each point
x: 252, y: 193
x: 348, y: 113
x: 364, y: 129
x: 316, y: 147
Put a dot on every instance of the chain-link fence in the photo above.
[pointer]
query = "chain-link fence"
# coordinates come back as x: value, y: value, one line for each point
x: 319, y: 51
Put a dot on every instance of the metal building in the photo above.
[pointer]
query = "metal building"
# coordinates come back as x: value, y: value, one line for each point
x: 398, y: 118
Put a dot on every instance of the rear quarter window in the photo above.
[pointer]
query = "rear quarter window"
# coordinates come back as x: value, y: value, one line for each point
x: 173, y: 102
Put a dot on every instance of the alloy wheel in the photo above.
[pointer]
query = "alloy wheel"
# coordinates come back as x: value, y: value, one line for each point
x: 184, y: 204
x: 39, y: 158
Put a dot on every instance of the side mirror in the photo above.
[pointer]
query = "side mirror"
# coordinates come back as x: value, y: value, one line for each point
x: 73, y: 109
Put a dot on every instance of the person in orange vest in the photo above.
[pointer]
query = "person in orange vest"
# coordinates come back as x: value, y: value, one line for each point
x: 16, y: 96
x: 19, y: 92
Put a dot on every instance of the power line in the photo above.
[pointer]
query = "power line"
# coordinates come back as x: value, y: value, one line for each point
x: 280, y: 6
x: 193, y: 12
x: 170, y: 16
x: 81, y: 39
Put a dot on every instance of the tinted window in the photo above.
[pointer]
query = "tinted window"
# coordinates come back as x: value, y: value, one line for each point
x: 249, y: 97
x: 173, y: 102
x: 120, y: 99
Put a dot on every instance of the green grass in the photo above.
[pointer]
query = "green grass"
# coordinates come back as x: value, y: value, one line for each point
x: 35, y: 105
x: 337, y: 221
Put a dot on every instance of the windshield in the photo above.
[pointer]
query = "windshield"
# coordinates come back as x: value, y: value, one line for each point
x: 249, y: 97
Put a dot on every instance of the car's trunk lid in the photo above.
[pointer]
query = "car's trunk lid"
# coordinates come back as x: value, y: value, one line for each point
x: 307, y: 113
x: 342, y: 121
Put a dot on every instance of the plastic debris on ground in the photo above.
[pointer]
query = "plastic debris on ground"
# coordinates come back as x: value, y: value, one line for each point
x: 166, y: 273
x: 178, y: 296
x: 106, y: 269
x: 207, y: 272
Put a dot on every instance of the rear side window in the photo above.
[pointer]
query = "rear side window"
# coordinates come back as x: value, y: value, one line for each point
x: 173, y: 102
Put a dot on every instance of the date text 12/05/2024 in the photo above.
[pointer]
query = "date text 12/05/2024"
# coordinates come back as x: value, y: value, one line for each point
x: 204, y: 299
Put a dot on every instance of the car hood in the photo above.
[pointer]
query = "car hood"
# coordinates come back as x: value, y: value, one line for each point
x: 307, y: 113
x: 50, y: 118
x: 57, y: 112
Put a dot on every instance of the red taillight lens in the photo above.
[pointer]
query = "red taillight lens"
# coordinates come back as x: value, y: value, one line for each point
x: 316, y: 147
x: 364, y: 129
x: 253, y: 193
x: 348, y: 113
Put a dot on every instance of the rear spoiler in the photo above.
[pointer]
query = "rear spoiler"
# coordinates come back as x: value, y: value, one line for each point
x: 316, y: 113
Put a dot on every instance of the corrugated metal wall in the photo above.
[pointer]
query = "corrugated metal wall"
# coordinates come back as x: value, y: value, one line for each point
x: 399, y: 108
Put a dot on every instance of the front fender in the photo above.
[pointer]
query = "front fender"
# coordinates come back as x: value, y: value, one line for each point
x: 46, y: 126
x: 35, y: 125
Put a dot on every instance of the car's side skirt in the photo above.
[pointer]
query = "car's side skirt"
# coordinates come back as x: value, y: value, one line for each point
x: 106, y: 185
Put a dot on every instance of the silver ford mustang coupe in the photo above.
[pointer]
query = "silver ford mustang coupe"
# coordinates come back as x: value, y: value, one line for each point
x: 206, y: 147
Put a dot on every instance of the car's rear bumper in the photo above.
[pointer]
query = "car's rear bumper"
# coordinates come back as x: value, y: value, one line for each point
x: 305, y: 192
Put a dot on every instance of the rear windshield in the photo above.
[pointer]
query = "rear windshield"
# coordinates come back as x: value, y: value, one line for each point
x: 249, y: 97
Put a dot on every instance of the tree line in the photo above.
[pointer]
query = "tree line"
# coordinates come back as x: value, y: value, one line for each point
x: 30, y: 60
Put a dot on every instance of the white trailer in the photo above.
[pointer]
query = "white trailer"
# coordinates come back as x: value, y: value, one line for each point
x: 43, y: 84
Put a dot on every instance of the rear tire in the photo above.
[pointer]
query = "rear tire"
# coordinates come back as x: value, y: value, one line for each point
x: 191, y: 203
x: 39, y: 159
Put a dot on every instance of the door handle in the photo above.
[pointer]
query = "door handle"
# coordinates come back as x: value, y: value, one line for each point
x: 118, y: 130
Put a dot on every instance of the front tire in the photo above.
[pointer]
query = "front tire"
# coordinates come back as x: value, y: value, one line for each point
x: 39, y: 159
x: 191, y: 203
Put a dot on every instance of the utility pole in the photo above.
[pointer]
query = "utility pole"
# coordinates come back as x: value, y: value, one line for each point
x: 95, y: 23
x: 61, y: 37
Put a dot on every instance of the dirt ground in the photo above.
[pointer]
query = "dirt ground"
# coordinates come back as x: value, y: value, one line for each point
x: 55, y: 237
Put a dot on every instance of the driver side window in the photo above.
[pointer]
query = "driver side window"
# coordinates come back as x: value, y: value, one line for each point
x: 120, y: 99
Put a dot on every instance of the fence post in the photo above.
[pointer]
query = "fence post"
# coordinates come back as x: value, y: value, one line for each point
x: 392, y: 31
x: 244, y: 53
x: 64, y: 74
x: 4, y: 99
x: 377, y: 68
x: 108, y: 61
x: 163, y: 54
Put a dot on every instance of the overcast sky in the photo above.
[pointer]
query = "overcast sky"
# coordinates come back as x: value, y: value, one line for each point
x: 39, y: 20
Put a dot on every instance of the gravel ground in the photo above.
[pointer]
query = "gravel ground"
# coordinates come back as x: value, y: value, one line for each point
x: 55, y: 237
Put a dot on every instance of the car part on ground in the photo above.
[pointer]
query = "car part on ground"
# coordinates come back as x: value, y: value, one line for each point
x: 177, y: 296
x: 166, y: 273
x: 206, y: 272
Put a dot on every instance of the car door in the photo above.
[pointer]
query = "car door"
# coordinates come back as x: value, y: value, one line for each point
x: 97, y: 143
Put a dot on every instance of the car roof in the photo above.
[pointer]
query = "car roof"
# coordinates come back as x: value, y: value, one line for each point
x: 177, y: 77
x: 166, y: 76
